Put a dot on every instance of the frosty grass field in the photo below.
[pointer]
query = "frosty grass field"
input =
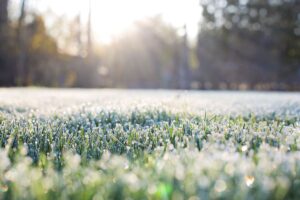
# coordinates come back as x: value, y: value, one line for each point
x: 118, y: 144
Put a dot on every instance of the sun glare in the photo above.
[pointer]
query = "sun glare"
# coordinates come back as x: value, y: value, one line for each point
x: 110, y: 18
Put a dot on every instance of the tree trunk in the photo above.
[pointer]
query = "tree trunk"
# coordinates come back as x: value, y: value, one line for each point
x: 3, y: 12
x: 183, y: 72
x: 89, y: 32
x: 22, y: 49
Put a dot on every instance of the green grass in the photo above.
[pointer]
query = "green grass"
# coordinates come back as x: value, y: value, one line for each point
x: 153, y: 153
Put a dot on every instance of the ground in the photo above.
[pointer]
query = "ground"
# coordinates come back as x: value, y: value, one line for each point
x: 148, y: 144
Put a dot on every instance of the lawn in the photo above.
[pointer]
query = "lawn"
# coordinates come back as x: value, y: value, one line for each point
x: 147, y: 144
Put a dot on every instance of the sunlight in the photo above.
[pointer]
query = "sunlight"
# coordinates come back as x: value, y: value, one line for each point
x: 110, y: 18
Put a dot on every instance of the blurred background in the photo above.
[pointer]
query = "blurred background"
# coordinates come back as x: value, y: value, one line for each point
x: 172, y: 44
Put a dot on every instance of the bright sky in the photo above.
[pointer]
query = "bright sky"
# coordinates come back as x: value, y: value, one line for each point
x: 112, y: 17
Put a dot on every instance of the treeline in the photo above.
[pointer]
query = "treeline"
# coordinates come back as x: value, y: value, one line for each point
x: 151, y: 55
x: 242, y: 44
x: 251, y: 44
x: 30, y: 56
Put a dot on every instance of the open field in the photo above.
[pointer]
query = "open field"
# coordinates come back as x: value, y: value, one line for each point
x: 137, y: 144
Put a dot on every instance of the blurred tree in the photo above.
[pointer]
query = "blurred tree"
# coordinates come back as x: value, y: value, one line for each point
x: 256, y: 41
x: 48, y: 66
x: 68, y: 34
x: 3, y: 12
x: 7, y: 47
x: 42, y: 54
x: 148, y: 56
x: 29, y: 55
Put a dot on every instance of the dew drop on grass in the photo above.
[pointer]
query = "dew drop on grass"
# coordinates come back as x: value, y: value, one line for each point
x: 3, y: 188
x: 249, y: 180
x: 220, y: 186
x: 244, y: 148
